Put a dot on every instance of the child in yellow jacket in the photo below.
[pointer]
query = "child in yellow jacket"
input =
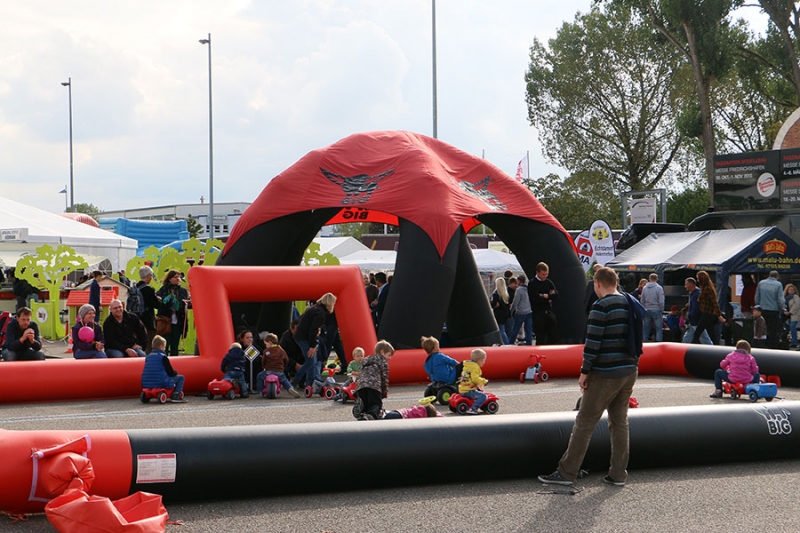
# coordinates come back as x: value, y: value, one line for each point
x: 472, y: 381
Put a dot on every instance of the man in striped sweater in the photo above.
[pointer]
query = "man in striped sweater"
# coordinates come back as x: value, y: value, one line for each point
x: 607, y: 377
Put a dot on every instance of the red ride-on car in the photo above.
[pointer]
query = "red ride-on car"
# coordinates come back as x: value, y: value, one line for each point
x: 161, y: 394
x: 327, y: 389
x: 348, y: 393
x: 461, y: 404
x: 754, y: 391
x: 224, y: 388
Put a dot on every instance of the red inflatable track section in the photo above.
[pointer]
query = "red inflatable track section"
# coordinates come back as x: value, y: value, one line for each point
x: 214, y: 287
x: 42, y: 478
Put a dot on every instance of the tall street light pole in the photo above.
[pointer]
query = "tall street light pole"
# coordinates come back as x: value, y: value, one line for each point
x: 433, y: 53
x: 68, y: 84
x: 210, y: 146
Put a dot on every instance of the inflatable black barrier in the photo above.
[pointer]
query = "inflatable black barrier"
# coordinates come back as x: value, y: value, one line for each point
x: 393, y: 453
x: 702, y: 360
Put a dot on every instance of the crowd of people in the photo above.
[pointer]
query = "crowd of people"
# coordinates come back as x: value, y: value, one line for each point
x: 123, y: 333
x: 772, y: 308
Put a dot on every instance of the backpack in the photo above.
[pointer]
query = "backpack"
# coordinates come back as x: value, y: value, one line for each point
x: 135, y: 303
x: 636, y: 317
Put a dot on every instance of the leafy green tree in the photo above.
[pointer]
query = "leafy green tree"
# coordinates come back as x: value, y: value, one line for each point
x: 89, y: 209
x: 700, y: 31
x: 599, y: 94
x: 784, y: 34
x: 353, y: 229
x: 685, y: 206
x: 578, y: 200
x: 193, y: 227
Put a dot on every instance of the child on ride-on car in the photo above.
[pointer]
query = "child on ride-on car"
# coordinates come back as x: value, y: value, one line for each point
x: 737, y: 367
x: 273, y: 361
x: 233, y: 364
x: 353, y: 370
x: 439, y: 367
x: 158, y: 372
x: 472, y: 381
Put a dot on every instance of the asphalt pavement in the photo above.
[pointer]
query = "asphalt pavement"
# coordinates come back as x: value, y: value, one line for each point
x: 709, y: 498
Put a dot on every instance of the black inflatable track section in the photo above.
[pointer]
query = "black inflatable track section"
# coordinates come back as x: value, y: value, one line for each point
x: 702, y: 360
x: 421, y: 288
x: 287, y: 459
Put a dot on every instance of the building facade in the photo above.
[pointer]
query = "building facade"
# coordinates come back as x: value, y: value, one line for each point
x: 225, y: 215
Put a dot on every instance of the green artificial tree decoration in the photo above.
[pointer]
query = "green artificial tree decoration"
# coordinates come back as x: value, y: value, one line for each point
x: 312, y: 257
x: 211, y: 251
x: 47, y: 270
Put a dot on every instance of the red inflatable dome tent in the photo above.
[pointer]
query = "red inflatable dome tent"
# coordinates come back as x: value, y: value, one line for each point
x: 435, y: 193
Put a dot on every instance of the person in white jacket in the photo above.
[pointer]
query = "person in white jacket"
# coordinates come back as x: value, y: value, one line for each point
x: 653, y: 301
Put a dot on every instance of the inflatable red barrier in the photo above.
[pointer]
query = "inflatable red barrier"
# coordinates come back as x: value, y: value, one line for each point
x: 78, y: 512
x: 40, y: 465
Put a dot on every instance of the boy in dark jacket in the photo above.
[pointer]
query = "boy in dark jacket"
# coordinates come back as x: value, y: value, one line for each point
x: 234, y: 364
x: 373, y: 381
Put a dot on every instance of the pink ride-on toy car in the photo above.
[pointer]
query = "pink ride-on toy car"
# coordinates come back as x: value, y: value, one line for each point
x: 535, y: 372
x: 224, y: 388
x: 272, y: 387
x: 161, y: 394
x: 461, y: 404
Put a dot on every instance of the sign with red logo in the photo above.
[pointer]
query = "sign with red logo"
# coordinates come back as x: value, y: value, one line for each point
x: 775, y: 246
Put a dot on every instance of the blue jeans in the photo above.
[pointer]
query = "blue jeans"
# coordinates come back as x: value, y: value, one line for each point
x: 262, y: 376
x: 89, y: 354
x: 793, y: 332
x: 519, y: 320
x: 654, y: 318
x: 309, y: 368
x: 28, y: 354
x: 720, y: 376
x: 689, y: 333
x: 502, y: 328
x: 478, y: 396
x: 175, y: 383
x: 237, y: 375
x: 118, y: 353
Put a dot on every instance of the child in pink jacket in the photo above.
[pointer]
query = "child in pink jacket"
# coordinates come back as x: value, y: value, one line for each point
x: 417, y: 411
x: 737, y: 367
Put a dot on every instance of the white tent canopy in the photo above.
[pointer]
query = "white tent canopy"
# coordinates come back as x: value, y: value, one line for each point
x: 43, y: 227
x: 488, y: 261
x: 339, y: 246
x: 371, y: 259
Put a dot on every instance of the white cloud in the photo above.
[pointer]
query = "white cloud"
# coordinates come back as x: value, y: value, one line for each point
x: 288, y: 77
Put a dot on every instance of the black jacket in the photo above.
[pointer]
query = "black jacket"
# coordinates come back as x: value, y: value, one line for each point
x: 123, y: 335
x: 13, y: 334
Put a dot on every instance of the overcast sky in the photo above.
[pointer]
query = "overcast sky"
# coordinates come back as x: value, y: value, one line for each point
x: 288, y: 77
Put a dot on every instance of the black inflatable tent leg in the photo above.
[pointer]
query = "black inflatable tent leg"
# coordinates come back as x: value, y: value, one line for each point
x: 533, y: 241
x: 470, y: 321
x: 279, y: 242
x: 420, y: 292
